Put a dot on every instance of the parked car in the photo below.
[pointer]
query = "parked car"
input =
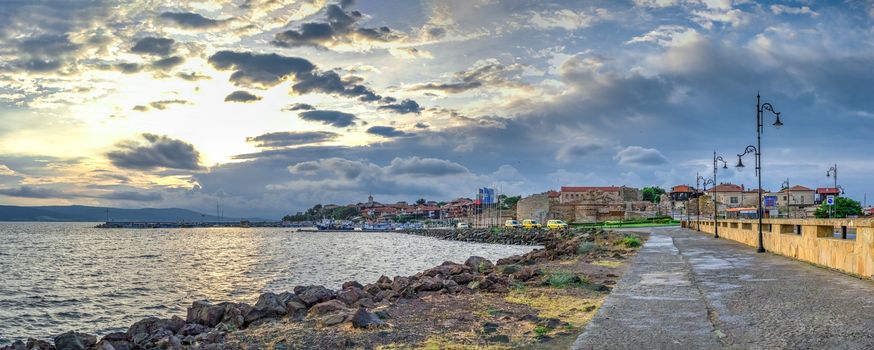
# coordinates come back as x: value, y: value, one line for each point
x: 556, y: 224
x: 528, y: 223
x: 462, y: 225
x: 512, y: 224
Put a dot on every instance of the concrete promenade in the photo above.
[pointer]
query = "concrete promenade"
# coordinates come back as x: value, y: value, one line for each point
x: 686, y: 290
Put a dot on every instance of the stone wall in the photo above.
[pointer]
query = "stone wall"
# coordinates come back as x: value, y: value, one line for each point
x: 535, y: 206
x: 809, y: 240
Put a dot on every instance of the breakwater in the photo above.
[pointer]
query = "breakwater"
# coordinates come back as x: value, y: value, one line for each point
x: 206, y: 325
x: 517, y: 236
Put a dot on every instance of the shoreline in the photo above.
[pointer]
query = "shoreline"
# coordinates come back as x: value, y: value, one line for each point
x: 207, y: 325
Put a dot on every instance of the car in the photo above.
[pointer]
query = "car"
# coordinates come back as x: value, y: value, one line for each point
x: 556, y: 224
x: 462, y: 225
x: 529, y: 223
x: 512, y: 224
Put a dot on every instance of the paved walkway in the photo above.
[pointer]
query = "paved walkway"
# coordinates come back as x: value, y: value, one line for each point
x: 686, y: 290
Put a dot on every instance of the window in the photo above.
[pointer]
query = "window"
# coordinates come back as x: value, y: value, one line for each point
x: 785, y: 198
x: 733, y: 200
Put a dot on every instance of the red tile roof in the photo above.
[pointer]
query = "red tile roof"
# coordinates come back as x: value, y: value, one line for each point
x: 828, y: 190
x: 798, y: 188
x: 589, y: 188
x: 681, y: 189
x: 727, y: 188
x: 553, y: 194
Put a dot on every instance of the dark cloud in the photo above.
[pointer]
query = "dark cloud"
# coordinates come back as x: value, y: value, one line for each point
x: 167, y: 63
x: 39, y: 65
x: 333, y: 118
x: 193, y: 76
x: 127, y: 67
x: 449, y: 87
x: 404, y: 107
x: 259, y: 70
x: 140, y: 108
x: 421, y: 126
x: 154, y: 46
x: 639, y: 156
x: 387, y: 131
x: 575, y: 151
x: 483, y: 73
x: 298, y: 107
x: 425, y: 167
x: 330, y: 83
x: 339, y: 27
x: 163, y: 104
x: 48, y: 45
x: 35, y: 192
x: 158, y: 151
x: 133, y: 196
x: 291, y: 138
x: 242, y: 96
x: 191, y: 20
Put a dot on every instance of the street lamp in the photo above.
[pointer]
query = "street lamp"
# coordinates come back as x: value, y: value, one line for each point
x: 698, y: 181
x: 833, y: 173
x: 757, y: 150
x: 713, y: 195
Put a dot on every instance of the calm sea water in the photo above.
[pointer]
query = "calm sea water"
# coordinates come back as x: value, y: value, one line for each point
x: 56, y: 277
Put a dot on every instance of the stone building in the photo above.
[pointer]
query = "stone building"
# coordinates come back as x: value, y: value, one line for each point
x: 586, y: 204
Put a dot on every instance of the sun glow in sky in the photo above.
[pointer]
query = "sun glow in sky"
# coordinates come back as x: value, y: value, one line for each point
x: 273, y: 106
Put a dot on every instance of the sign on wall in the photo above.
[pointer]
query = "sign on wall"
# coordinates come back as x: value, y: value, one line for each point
x: 770, y: 201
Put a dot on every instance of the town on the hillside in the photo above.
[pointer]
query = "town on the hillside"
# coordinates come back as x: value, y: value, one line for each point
x: 581, y: 205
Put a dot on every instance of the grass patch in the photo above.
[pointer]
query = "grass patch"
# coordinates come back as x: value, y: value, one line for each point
x: 551, y: 303
x: 562, y: 279
x: 586, y: 248
x: 607, y: 263
x: 630, y: 242
x: 447, y: 343
x: 542, y: 330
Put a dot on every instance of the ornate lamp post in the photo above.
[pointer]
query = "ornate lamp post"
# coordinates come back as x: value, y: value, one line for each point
x: 698, y: 181
x: 833, y: 173
x: 757, y: 150
x: 713, y: 195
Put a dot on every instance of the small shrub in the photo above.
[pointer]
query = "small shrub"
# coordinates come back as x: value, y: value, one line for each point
x: 542, y: 330
x: 483, y: 267
x: 508, y: 269
x: 630, y: 242
x: 563, y: 280
x: 586, y: 248
x: 516, y: 285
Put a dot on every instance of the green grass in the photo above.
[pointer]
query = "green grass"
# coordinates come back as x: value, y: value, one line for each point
x: 563, y: 280
x: 586, y: 248
x: 542, y: 330
x: 650, y: 222
x: 630, y: 242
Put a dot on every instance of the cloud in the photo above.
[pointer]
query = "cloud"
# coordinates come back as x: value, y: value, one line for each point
x: 574, y: 151
x: 404, y: 107
x: 35, y: 192
x: 333, y: 118
x: 154, y: 46
x: 242, y: 96
x: 298, y: 107
x: 191, y: 20
x: 330, y: 83
x: 489, y: 72
x: 193, y: 76
x: 779, y: 9
x: 48, y: 45
x: 164, y: 104
x: 567, y: 19
x: 387, y: 131
x: 639, y: 156
x: 133, y: 196
x: 340, y: 27
x: 167, y: 63
x: 291, y: 138
x: 421, y: 126
x: 417, y: 166
x: 409, y: 53
x: 158, y: 151
x: 259, y: 70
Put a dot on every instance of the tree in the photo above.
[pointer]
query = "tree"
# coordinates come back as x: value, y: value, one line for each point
x: 509, y: 202
x: 652, y: 193
x: 843, y: 207
x: 421, y: 201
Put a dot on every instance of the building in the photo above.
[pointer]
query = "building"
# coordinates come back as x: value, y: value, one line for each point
x: 823, y: 192
x: 792, y: 201
x: 594, y: 194
x: 586, y: 204
x: 729, y: 195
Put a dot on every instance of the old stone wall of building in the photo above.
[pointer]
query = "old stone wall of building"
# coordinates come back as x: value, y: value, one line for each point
x: 533, y: 207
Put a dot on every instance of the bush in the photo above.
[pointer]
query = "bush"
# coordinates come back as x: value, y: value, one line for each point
x: 565, y: 280
x: 586, y: 248
x: 630, y: 242
x: 542, y: 330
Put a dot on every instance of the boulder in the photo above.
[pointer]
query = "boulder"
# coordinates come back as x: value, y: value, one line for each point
x: 36, y: 344
x: 525, y: 274
x: 333, y: 319
x: 169, y: 342
x: 399, y: 284
x: 147, y: 327
x: 326, y: 307
x: 269, y: 305
x: 366, y: 319
x: 428, y: 284
x: 479, y: 264
x: 117, y: 340
x: 104, y: 345
x: 372, y: 289
x: 74, y: 341
x: 351, y: 295
x: 384, y: 282
x: 387, y: 295
x: 355, y: 284
x: 311, y: 295
x: 463, y: 278
x: 295, y: 309
x: 192, y: 329
x: 16, y: 345
x: 206, y: 313
x: 365, y: 302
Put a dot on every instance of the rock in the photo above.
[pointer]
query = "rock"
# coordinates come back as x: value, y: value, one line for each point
x: 388, y: 295
x: 295, y: 309
x: 384, y: 282
x: 16, y: 345
x: 351, y: 295
x: 333, y: 319
x: 311, y: 295
x: 499, y: 338
x: 147, y: 327
x: 365, y: 302
x: 490, y: 327
x: 118, y: 341
x: 36, y: 344
x: 326, y: 307
x: 382, y: 314
x: 169, y: 342
x: 192, y: 329
x: 350, y: 284
x: 366, y: 319
x: 525, y: 274
x: 74, y: 341
x: 509, y: 269
x: 479, y: 264
x: 399, y: 284
x: 104, y: 345
x: 207, y: 314
x: 188, y: 340
x: 428, y: 284
x: 269, y: 306
x: 551, y: 323
x: 372, y: 289
x: 463, y: 278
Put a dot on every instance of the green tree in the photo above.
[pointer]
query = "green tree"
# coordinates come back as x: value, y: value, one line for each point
x: 421, y: 201
x: 509, y: 202
x: 843, y: 207
x: 652, y: 193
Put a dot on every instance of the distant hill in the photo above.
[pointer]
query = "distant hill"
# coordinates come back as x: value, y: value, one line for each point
x: 98, y: 214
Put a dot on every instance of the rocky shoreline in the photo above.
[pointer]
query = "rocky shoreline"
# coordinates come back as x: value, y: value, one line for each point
x: 355, y: 306
x: 515, y: 236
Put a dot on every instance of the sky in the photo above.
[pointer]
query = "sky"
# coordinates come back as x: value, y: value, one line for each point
x: 269, y: 107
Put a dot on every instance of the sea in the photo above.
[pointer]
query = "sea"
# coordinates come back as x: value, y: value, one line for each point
x: 57, y: 277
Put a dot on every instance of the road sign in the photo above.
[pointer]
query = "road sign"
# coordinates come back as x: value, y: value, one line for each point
x: 770, y: 201
x: 830, y: 200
